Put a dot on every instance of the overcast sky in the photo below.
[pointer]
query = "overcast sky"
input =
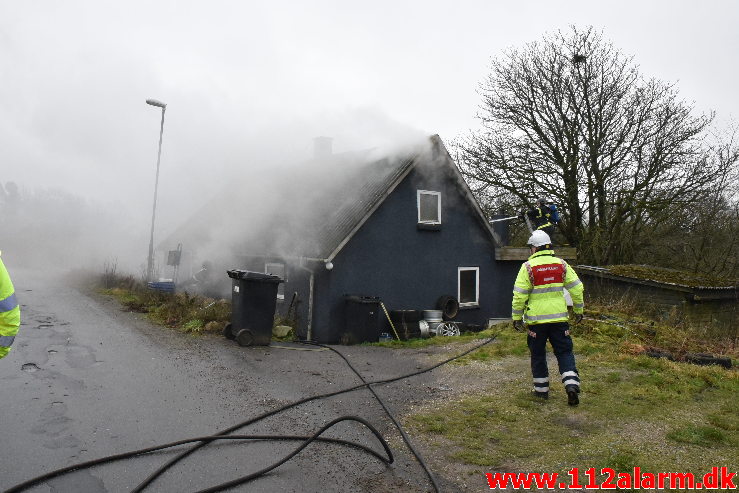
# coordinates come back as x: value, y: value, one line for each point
x: 246, y: 81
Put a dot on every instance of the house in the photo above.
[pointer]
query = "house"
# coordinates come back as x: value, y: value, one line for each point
x: 403, y: 228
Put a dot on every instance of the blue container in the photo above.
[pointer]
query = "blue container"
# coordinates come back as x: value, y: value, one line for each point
x: 165, y: 286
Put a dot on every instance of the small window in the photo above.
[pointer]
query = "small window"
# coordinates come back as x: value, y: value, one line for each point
x: 277, y: 270
x: 468, y: 290
x: 429, y: 207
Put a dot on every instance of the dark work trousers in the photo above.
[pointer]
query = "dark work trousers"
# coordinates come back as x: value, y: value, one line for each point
x: 548, y: 230
x: 562, y: 346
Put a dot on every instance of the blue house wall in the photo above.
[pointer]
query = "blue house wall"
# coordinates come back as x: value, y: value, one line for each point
x: 411, y: 268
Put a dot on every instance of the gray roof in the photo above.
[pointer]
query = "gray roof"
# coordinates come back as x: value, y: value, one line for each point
x: 315, y: 221
x: 307, y: 211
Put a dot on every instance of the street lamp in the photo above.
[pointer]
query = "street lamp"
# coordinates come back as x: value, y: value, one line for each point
x: 150, y: 262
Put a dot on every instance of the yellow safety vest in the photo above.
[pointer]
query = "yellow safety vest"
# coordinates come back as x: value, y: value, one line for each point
x: 546, y: 217
x: 10, y: 312
x: 538, y: 293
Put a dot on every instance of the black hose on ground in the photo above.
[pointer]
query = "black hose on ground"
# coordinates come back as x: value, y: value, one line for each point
x: 306, y: 439
x: 406, y: 438
x: 225, y: 433
x: 261, y: 472
x: 248, y: 422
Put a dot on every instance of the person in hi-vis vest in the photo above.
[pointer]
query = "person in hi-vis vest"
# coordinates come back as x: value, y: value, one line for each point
x: 539, y: 307
x: 10, y: 312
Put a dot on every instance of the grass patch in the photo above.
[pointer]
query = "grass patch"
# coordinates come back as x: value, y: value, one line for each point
x: 189, y: 313
x: 186, y: 312
x: 727, y: 418
x: 635, y: 410
x: 671, y: 276
x: 643, y: 416
x: 704, y: 436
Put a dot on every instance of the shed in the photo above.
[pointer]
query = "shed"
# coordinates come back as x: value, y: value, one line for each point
x: 703, y: 301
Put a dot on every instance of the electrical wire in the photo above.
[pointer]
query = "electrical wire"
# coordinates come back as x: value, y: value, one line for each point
x: 225, y: 434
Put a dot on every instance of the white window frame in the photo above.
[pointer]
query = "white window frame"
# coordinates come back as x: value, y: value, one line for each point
x: 267, y: 266
x: 438, y: 205
x: 477, y: 286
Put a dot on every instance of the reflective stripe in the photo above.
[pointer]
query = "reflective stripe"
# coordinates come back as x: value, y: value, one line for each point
x: 541, y: 389
x: 569, y: 374
x: 521, y: 290
x: 579, y: 305
x: 518, y: 312
x: 547, y: 290
x: 6, y: 341
x: 572, y: 382
x: 8, y: 303
x: 541, y: 380
x: 573, y: 284
x: 531, y: 272
x: 547, y: 317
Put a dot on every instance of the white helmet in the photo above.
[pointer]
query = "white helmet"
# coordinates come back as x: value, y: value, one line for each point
x: 539, y: 238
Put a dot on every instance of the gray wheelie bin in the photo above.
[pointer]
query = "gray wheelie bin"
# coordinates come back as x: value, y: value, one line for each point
x: 253, y: 302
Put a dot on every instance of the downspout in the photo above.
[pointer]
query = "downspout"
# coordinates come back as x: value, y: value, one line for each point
x: 311, y: 283
x: 310, y: 307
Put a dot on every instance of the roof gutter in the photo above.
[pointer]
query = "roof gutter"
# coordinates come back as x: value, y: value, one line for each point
x: 325, y: 261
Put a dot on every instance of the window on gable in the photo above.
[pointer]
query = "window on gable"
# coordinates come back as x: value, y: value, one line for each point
x: 468, y: 286
x: 277, y: 270
x: 429, y: 207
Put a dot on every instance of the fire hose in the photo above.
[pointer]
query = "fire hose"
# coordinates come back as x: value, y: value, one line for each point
x: 307, y: 440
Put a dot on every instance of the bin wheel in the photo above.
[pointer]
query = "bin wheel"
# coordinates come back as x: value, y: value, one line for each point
x: 244, y: 337
x: 449, y: 306
x: 227, y: 332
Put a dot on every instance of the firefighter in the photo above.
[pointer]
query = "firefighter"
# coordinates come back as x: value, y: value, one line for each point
x: 539, y: 307
x: 10, y: 313
x: 542, y: 217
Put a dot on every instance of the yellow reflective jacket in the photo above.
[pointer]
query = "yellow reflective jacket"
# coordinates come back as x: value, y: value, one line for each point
x: 538, y: 294
x: 10, y: 313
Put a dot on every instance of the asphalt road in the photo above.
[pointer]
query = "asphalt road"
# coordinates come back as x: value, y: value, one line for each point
x: 86, y: 379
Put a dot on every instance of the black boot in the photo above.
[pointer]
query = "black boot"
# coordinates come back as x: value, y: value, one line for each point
x: 540, y: 395
x: 572, y: 398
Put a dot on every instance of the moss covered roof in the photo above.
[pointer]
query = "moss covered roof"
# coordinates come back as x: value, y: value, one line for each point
x: 672, y: 276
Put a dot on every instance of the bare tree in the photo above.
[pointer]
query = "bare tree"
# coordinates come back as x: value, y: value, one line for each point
x: 571, y: 118
x: 706, y: 236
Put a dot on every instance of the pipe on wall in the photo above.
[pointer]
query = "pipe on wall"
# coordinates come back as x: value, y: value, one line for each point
x: 309, y: 334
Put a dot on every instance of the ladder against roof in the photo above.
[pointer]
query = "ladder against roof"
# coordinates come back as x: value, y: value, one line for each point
x: 523, y: 253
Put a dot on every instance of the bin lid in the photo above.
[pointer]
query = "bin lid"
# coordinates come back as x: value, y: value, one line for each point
x: 249, y: 275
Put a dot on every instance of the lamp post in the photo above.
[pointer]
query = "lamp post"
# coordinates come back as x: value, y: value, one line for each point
x: 150, y: 262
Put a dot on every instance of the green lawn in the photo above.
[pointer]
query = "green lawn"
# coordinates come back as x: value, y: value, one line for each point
x: 635, y: 410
